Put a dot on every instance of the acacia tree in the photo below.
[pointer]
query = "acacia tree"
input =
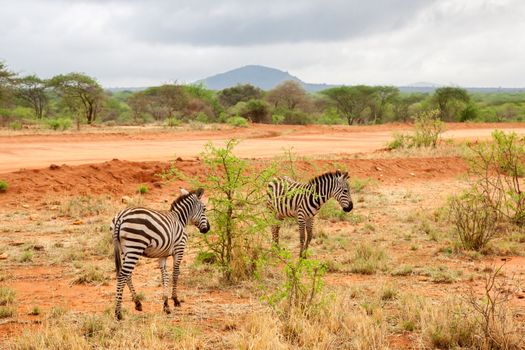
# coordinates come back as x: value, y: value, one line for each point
x: 351, y: 101
x: 241, y: 93
x: 6, y: 80
x: 81, y: 93
x: 384, y: 95
x: 402, y: 105
x: 289, y: 94
x: 138, y: 104
x: 444, y: 97
x: 161, y: 102
x: 32, y: 90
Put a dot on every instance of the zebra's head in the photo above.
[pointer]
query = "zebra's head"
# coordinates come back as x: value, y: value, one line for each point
x: 198, y: 214
x: 341, y: 191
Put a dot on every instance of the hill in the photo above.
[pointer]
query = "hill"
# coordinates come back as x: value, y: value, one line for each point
x: 263, y: 77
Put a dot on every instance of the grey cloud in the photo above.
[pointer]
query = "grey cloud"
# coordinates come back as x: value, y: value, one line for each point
x: 247, y: 23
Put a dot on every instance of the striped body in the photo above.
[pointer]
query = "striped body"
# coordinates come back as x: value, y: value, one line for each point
x: 291, y: 199
x: 154, y: 234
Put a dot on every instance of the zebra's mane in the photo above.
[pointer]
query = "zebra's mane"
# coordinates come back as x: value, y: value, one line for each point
x: 325, y: 175
x: 183, y: 197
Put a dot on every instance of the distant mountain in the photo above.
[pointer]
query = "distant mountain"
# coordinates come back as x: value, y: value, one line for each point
x: 263, y: 77
x: 267, y: 78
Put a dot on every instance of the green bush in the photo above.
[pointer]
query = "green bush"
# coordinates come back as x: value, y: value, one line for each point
x: 237, y: 121
x: 59, y: 123
x: 23, y: 113
x: 236, y: 192
x: 499, y: 168
x: 474, y: 220
x: 173, y: 122
x: 296, y: 118
x: 3, y: 186
x: 7, y: 296
x: 301, y: 287
x: 142, y: 189
x: 330, y: 117
x: 428, y: 127
x: 257, y: 111
x: 470, y: 112
x: 277, y: 118
x: 15, y: 125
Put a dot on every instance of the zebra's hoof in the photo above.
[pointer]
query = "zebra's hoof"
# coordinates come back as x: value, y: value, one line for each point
x: 118, y: 315
x: 176, y: 302
x: 138, y: 306
x: 167, y: 311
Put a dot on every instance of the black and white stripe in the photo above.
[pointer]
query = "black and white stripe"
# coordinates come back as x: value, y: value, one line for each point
x: 291, y: 199
x: 155, y: 234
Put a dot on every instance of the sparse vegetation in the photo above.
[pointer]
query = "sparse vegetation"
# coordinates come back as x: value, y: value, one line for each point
x: 7, y: 296
x: 35, y: 311
x: 26, y: 256
x: 3, y: 186
x: 368, y: 260
x: 90, y: 274
x: 474, y: 220
x: 427, y: 130
x: 142, y: 189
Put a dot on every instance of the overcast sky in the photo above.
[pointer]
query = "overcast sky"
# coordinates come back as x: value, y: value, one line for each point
x: 148, y: 42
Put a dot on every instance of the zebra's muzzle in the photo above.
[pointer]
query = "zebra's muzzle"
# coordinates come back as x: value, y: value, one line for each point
x: 349, y: 208
x: 205, y: 229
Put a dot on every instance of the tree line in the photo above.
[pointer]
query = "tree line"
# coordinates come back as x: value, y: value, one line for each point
x: 79, y: 98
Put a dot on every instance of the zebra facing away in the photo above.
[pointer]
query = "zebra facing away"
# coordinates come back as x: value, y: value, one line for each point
x: 146, y: 232
x: 291, y: 199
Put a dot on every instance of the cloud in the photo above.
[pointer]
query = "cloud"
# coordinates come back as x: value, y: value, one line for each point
x: 140, y: 42
x: 249, y: 23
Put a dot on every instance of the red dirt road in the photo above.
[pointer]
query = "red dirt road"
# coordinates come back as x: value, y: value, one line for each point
x: 259, y: 141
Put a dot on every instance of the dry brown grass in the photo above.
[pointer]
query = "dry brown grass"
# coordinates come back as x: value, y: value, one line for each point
x: 72, y: 331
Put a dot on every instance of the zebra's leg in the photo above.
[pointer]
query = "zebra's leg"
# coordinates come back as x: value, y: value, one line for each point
x: 130, y: 260
x: 165, y: 280
x: 275, y: 232
x: 301, y: 222
x: 309, y: 232
x: 177, y: 257
x: 138, y: 304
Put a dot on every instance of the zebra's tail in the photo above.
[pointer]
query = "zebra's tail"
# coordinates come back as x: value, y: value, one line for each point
x: 115, y: 228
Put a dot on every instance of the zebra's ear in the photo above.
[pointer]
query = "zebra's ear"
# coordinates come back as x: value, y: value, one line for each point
x: 345, y: 175
x: 199, y: 192
x: 183, y: 191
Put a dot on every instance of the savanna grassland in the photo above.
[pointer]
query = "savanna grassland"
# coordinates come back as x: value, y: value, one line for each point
x: 392, y: 274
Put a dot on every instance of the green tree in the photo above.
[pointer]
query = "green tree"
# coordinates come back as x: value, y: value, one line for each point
x: 138, y: 102
x: 402, y: 105
x: 240, y: 93
x: 289, y: 95
x: 383, y: 96
x: 257, y: 111
x: 161, y: 102
x: 351, y: 101
x: 6, y: 80
x: 203, y: 100
x: 238, y: 214
x: 82, y: 94
x: 32, y: 90
x: 445, y: 98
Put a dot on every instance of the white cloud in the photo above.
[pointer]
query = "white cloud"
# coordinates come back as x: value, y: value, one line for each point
x: 137, y: 43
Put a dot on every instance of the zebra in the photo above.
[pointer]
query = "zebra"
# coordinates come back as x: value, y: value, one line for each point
x: 291, y: 199
x: 139, y: 231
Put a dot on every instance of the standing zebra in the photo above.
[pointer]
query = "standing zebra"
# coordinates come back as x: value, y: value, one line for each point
x: 155, y: 234
x: 288, y: 198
